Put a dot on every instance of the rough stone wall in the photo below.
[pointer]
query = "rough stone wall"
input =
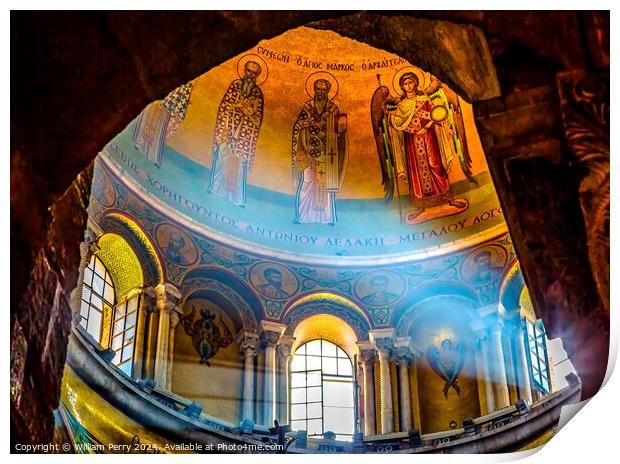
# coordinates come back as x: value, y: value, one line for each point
x: 77, y: 78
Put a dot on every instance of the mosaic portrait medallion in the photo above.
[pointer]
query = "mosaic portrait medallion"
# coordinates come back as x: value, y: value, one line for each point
x: 176, y: 245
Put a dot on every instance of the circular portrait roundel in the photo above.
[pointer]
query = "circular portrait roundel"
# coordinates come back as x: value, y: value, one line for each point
x: 102, y: 188
x: 381, y: 288
x: 176, y: 245
x: 273, y: 281
x: 484, y: 264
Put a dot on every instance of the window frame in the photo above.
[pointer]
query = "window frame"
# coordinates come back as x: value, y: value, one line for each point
x: 88, y: 286
x: 535, y: 338
x: 325, y: 379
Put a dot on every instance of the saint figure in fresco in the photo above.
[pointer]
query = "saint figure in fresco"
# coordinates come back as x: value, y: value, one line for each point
x: 447, y: 361
x: 379, y: 296
x: 485, y: 270
x: 238, y: 122
x: 418, y: 135
x: 173, y: 250
x: 160, y: 121
x: 320, y: 155
x: 273, y: 288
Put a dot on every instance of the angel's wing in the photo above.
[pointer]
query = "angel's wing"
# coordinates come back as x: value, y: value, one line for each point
x: 461, y: 349
x: 379, y: 98
x: 450, y: 100
x: 433, y: 356
x: 186, y: 321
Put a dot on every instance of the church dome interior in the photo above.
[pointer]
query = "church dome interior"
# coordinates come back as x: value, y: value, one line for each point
x: 302, y: 250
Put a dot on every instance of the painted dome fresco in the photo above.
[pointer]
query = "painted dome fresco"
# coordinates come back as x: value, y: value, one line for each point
x: 309, y: 145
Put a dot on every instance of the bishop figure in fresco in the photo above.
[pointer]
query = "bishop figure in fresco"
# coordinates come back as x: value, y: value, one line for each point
x: 320, y: 154
x: 238, y: 122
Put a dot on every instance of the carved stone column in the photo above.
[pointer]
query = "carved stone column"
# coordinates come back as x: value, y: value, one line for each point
x: 285, y: 357
x: 140, y: 337
x: 167, y: 298
x: 415, y: 392
x: 403, y: 356
x: 367, y: 360
x: 521, y: 368
x: 382, y: 339
x: 149, y: 302
x: 271, y: 332
x: 485, y: 380
x: 175, y: 317
x: 498, y: 367
x: 248, y: 345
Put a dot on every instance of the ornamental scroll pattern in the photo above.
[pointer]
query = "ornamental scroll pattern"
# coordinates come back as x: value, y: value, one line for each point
x: 585, y: 113
x: 344, y: 282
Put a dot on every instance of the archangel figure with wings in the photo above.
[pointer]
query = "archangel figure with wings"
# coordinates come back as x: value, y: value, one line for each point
x: 447, y: 361
x: 418, y: 135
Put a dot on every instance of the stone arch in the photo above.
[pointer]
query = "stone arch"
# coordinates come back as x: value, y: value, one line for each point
x: 228, y: 292
x: 123, y: 224
x: 433, y: 289
x: 510, y: 290
x: 326, y: 303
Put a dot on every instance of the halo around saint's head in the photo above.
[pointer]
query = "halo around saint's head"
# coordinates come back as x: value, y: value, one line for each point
x: 424, y: 78
x: 264, y: 69
x: 312, y: 78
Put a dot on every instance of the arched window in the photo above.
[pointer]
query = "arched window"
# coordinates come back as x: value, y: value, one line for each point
x: 111, y: 323
x: 97, y: 294
x: 322, y: 390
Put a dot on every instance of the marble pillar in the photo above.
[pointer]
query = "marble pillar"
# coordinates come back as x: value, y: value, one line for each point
x: 498, y: 367
x: 382, y: 338
x: 248, y: 346
x: 367, y: 361
x: 284, y: 353
x: 403, y: 356
x: 167, y: 297
x: 271, y: 333
x: 485, y: 380
x: 522, y: 368
x: 140, y: 337
x: 175, y: 317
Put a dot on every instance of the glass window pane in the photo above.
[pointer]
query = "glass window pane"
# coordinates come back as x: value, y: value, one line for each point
x: 83, y: 322
x: 330, y: 366
x: 314, y: 394
x: 344, y: 367
x: 338, y: 420
x: 298, y: 411
x: 129, y: 334
x: 315, y: 427
x: 298, y: 425
x: 126, y: 368
x: 85, y: 294
x: 314, y: 378
x: 131, y: 320
x: 314, y: 348
x: 315, y: 410
x: 127, y: 351
x: 298, y: 364
x: 118, y: 326
x: 108, y: 293
x: 84, y: 309
x: 99, y: 269
x: 329, y: 349
x: 313, y: 362
x: 298, y: 395
x: 338, y: 394
x: 98, y: 285
x: 298, y: 380
x: 117, y: 342
x: 301, y: 350
x: 132, y: 304
x: 96, y: 302
x: 88, y: 276
x: 94, y: 324
x: 119, y: 311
